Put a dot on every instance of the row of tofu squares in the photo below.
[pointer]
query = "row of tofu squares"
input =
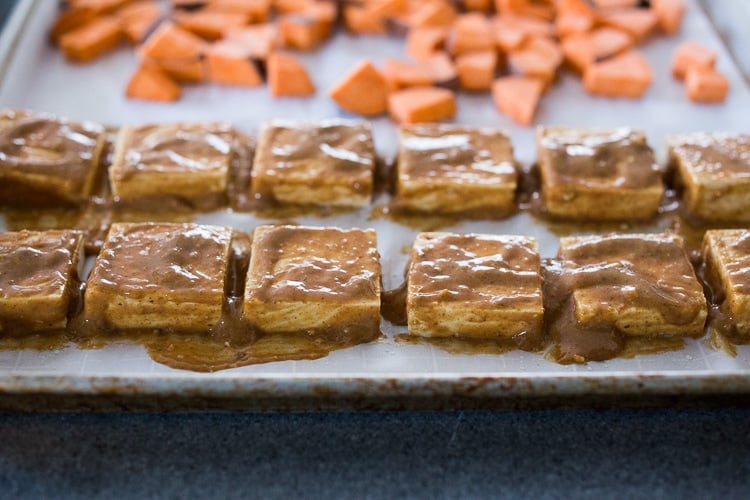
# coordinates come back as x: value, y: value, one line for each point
x: 312, y: 279
x: 585, y: 174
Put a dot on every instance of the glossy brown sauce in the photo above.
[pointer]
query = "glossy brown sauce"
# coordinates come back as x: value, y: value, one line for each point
x: 464, y: 346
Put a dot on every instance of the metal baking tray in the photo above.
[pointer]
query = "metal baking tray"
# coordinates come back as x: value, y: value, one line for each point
x: 383, y: 374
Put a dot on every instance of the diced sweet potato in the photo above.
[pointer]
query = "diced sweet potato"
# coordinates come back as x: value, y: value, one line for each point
x: 306, y: 29
x: 254, y: 11
x: 574, y: 16
x: 477, y: 5
x: 210, y: 24
x: 182, y: 70
x: 287, y: 76
x: 442, y: 69
x: 669, y: 13
x: 470, y: 33
x: 402, y: 74
x: 228, y: 63
x: 511, y: 31
x: 362, y: 91
x: 518, y: 97
x: 539, y: 57
x: 70, y: 20
x: 91, y: 40
x: 534, y: 8
x: 433, y: 13
x: 422, y: 42
x: 170, y: 42
x: 584, y: 49
x: 476, y: 70
x: 706, y: 85
x: 360, y: 19
x: 626, y: 75
x: 137, y: 18
x: 638, y: 23
x: 421, y: 104
x: 99, y: 6
x: 257, y: 40
x: 691, y: 55
x: 615, y: 4
x: 152, y: 84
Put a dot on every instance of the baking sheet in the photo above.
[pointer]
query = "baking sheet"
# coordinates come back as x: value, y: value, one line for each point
x: 34, y: 75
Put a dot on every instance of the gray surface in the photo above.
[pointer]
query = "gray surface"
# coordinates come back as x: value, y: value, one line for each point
x: 543, y: 454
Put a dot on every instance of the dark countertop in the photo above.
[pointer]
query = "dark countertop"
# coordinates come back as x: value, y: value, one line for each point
x: 686, y: 453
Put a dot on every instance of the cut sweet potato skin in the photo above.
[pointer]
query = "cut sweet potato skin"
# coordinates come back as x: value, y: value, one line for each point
x: 518, y: 97
x: 421, y: 104
x: 152, y: 84
x: 363, y: 91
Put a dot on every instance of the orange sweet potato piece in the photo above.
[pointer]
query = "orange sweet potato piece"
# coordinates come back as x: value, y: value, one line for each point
x: 441, y: 68
x: 574, y: 16
x: 91, y: 40
x: 639, y: 23
x: 706, y: 85
x: 306, y: 29
x: 287, y: 76
x: 539, y: 9
x: 254, y: 11
x: 626, y: 75
x: 228, y: 63
x: 583, y: 49
x: 539, y: 57
x: 433, y: 13
x: 360, y: 19
x: 669, y: 13
x: 511, y: 31
x: 170, y: 42
x: 152, y: 84
x: 422, y: 42
x: 691, y: 55
x: 137, y: 18
x: 257, y: 40
x: 615, y: 4
x: 70, y: 20
x: 98, y: 6
x: 518, y: 97
x: 402, y: 74
x: 477, y: 5
x: 362, y: 91
x: 210, y: 24
x: 470, y: 33
x: 476, y: 70
x: 181, y: 70
x: 421, y: 104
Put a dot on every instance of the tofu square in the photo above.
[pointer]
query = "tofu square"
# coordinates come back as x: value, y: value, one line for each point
x: 46, y: 161
x: 326, y: 163
x: 189, y: 162
x: 726, y: 256
x: 474, y: 286
x: 714, y: 170
x: 159, y: 276
x: 598, y: 175
x: 39, y: 278
x: 642, y: 284
x: 320, y: 281
x: 454, y: 169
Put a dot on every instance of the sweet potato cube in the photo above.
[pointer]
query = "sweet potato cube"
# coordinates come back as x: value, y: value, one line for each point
x: 152, y: 84
x: 518, y: 97
x: 706, y: 85
x: 190, y: 71
x: 539, y: 57
x: 691, y: 55
x: 257, y: 40
x: 470, y: 32
x: 574, y: 16
x: 421, y: 104
x: 669, y: 14
x: 92, y: 40
x: 476, y: 70
x: 360, y: 19
x: 639, y: 23
x: 287, y: 76
x: 210, y: 24
x: 172, y: 42
x: 402, y: 74
x: 70, y: 20
x: 511, y: 31
x: 306, y: 29
x: 584, y: 49
x: 362, y: 91
x: 423, y: 42
x: 229, y: 64
x: 433, y: 13
x: 137, y: 18
x: 626, y: 75
x: 442, y: 69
